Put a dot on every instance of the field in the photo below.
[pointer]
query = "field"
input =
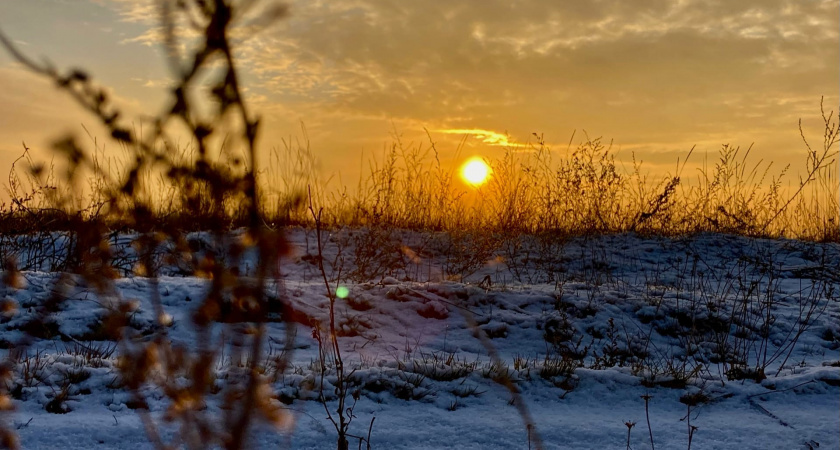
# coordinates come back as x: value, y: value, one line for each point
x: 212, y: 296
x: 738, y: 334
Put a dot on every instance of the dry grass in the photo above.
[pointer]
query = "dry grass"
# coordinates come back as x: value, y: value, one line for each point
x: 569, y: 192
x: 215, y: 191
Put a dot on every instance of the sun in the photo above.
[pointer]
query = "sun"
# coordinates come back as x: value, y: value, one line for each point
x: 475, y: 171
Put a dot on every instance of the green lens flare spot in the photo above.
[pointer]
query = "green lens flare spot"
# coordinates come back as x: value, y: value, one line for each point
x: 342, y: 292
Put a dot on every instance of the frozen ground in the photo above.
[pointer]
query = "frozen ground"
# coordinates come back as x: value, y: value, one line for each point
x: 584, y: 328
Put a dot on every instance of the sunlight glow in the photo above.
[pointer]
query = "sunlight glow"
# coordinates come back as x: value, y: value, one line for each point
x: 475, y: 171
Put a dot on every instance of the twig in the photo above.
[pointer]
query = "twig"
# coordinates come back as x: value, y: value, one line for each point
x: 344, y: 416
x: 783, y: 390
x: 647, y: 398
x: 24, y: 425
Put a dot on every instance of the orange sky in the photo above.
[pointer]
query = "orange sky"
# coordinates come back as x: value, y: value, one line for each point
x: 655, y: 76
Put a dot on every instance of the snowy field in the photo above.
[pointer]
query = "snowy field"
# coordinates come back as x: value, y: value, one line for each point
x: 735, y: 341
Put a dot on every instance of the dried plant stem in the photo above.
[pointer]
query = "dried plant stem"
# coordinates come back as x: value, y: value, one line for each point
x: 691, y: 429
x: 647, y: 398
x: 630, y: 425
x: 505, y: 381
x: 344, y: 416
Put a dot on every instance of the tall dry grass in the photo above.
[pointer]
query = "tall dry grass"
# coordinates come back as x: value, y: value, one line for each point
x: 572, y: 191
x: 584, y: 190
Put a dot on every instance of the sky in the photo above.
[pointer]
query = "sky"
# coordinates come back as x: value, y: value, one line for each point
x: 656, y: 77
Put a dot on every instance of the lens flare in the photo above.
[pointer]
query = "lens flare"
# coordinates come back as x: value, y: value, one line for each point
x: 475, y: 171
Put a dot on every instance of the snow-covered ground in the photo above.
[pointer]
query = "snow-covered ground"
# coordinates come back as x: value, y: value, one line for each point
x: 589, y: 330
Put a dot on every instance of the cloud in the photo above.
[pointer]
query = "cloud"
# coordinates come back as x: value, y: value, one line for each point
x: 134, y: 11
x: 647, y: 72
x: 428, y: 58
x: 491, y: 138
x: 154, y: 83
x: 658, y: 76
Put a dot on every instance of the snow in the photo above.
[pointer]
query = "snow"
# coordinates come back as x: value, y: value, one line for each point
x: 584, y: 327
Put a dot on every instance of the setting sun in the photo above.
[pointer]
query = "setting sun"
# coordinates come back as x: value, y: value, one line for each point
x: 475, y: 171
